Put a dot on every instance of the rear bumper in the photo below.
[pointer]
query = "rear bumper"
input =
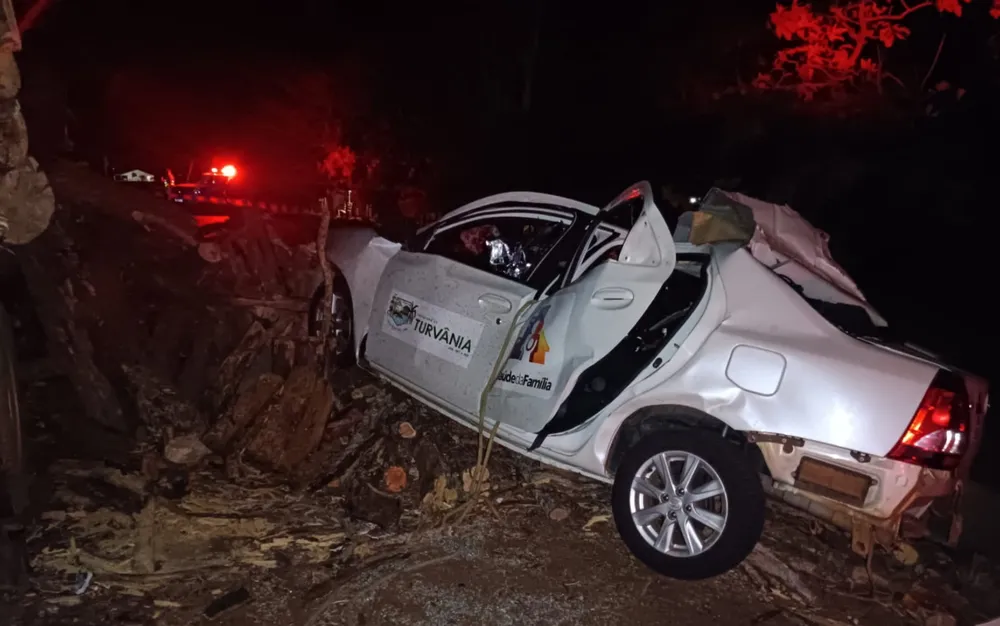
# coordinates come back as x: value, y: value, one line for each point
x: 897, y: 501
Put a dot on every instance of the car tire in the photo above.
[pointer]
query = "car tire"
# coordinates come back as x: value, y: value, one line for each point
x: 340, y: 352
x: 741, y: 504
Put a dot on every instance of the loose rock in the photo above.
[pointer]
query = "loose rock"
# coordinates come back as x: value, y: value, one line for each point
x: 185, y: 450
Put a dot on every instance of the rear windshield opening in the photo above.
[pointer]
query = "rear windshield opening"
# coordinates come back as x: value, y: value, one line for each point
x: 849, y: 318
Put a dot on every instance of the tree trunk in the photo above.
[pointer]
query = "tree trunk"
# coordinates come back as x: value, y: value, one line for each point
x: 26, y: 206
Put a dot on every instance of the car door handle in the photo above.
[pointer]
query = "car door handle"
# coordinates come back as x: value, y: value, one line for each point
x: 612, y: 298
x: 493, y: 302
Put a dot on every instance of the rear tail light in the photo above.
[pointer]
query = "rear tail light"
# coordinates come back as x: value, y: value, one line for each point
x: 938, y: 434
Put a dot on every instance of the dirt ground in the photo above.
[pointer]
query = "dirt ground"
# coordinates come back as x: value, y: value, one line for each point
x: 113, y: 546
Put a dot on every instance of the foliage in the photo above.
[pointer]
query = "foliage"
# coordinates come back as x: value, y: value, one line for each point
x: 302, y: 115
x: 831, y: 50
x: 339, y: 162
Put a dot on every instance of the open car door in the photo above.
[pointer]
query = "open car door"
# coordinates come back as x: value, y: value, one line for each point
x: 567, y: 346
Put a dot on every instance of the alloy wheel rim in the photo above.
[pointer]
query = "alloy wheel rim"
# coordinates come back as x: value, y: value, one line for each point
x: 678, y: 503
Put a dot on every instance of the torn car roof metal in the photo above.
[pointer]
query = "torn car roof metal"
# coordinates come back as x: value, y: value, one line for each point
x: 768, y: 230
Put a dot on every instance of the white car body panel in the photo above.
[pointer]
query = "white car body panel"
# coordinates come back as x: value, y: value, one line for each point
x: 894, y: 481
x: 584, y: 332
x: 360, y: 255
x: 752, y: 354
x: 455, y: 382
x: 856, y: 396
x: 589, y: 317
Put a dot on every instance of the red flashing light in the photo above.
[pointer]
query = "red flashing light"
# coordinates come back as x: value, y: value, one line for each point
x: 229, y: 171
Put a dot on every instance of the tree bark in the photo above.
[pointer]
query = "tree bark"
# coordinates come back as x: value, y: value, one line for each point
x: 26, y: 201
x: 68, y: 343
x: 26, y: 206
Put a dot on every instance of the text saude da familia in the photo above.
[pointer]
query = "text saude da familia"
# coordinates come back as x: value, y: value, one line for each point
x: 525, y: 380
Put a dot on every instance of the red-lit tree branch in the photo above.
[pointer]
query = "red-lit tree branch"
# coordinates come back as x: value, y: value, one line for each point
x: 31, y: 16
x: 831, y: 50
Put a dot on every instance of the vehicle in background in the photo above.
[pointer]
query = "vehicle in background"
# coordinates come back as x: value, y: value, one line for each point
x: 215, y: 183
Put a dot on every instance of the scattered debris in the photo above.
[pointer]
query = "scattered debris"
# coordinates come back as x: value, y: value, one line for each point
x: 373, y: 505
x: 395, y: 479
x: 83, y: 582
x: 770, y: 566
x: 940, y: 619
x: 363, y: 392
x: 597, y: 519
x: 442, y: 497
x: 334, y: 597
x: 166, y: 604
x: 558, y: 514
x: 428, y: 463
x: 861, y: 578
x: 547, y: 477
x: 470, y: 476
x: 905, y: 553
x: 407, y: 431
x: 185, y: 450
x: 227, y: 602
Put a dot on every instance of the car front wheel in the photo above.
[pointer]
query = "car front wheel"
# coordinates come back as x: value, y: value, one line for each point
x: 340, y: 341
x: 688, y: 504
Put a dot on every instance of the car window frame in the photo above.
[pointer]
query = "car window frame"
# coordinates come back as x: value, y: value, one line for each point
x: 594, y: 251
x: 566, y: 217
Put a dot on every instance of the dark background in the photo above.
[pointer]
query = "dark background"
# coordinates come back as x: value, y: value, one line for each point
x: 433, y: 93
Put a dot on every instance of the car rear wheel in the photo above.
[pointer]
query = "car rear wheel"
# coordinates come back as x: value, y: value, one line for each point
x: 688, y: 504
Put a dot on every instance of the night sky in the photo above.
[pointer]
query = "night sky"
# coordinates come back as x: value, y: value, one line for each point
x: 620, y: 92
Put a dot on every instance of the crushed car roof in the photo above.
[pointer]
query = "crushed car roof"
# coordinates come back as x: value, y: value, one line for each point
x: 768, y: 230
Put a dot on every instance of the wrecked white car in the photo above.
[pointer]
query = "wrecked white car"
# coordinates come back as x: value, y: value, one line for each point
x: 678, y: 365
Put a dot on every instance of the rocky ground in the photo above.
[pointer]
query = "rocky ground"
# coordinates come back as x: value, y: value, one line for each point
x: 381, y: 541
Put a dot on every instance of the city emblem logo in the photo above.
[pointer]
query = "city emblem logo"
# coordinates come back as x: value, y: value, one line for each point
x: 401, y: 312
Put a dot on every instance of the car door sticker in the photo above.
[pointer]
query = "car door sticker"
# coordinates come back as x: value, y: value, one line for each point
x: 536, y: 356
x: 432, y: 329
